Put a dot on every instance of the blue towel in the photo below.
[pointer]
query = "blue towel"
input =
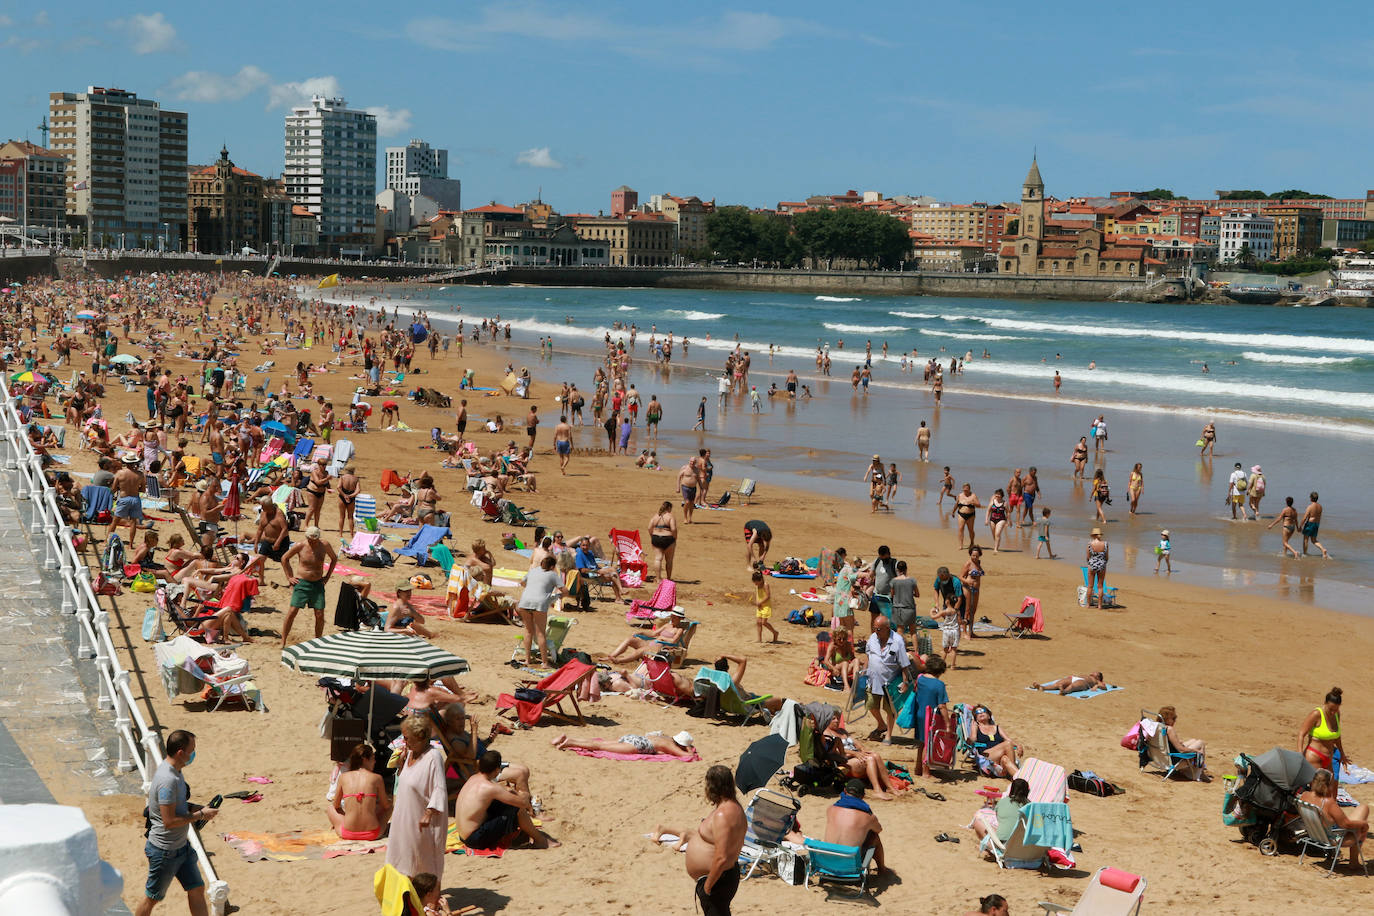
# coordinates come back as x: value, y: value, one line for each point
x: 858, y: 804
x: 1082, y: 694
x: 1048, y: 824
x: 96, y: 499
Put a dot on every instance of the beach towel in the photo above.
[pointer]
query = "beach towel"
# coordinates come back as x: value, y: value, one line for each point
x: 1083, y: 694
x: 612, y: 755
x: 1048, y: 824
x: 298, y: 845
x: 454, y: 845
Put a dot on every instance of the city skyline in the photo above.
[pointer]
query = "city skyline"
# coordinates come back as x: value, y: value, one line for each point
x: 743, y: 105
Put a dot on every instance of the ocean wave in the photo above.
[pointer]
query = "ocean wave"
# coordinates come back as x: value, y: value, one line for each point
x: 866, y: 328
x: 692, y: 315
x: 1289, y: 359
x: 913, y: 315
x: 628, y: 308
x: 1277, y: 341
x: 957, y: 335
x: 1196, y: 385
x: 838, y: 299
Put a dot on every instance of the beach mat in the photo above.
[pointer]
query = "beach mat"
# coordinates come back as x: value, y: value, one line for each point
x: 778, y: 575
x: 612, y: 755
x: 429, y: 605
x: 1083, y: 694
x: 454, y: 845
x: 298, y: 845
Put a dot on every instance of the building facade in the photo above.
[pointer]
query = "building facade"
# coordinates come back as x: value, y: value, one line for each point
x: 623, y: 200
x: 1346, y: 233
x: 227, y: 208
x: 689, y: 214
x: 126, y: 167
x: 1244, y: 231
x: 953, y: 222
x: 33, y: 189
x: 521, y: 245
x: 1297, y: 230
x: 419, y: 169
x: 331, y: 170
x: 634, y: 240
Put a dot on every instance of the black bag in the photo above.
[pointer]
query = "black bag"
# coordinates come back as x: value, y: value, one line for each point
x: 1093, y: 785
x: 529, y: 695
x: 818, y: 776
x: 369, y: 614
x: 707, y: 704
x: 378, y: 558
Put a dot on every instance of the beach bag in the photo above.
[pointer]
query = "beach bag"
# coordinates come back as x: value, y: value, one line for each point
x: 790, y: 566
x: 816, y: 675
x: 1092, y: 784
x: 144, y: 583
x: 529, y: 695
x: 377, y: 558
x: 818, y: 776
x: 791, y: 867
x: 940, y: 740
x: 152, y: 626
x: 1082, y: 596
x: 813, y: 618
x: 104, y: 585
x: 1259, y: 485
x: 1131, y: 740
x: 707, y: 703
x: 112, y: 561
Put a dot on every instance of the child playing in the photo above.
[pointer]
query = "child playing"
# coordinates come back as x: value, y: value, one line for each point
x: 946, y: 486
x: 427, y: 887
x: 1044, y: 535
x: 1162, y: 551
x: 948, y: 615
x: 763, y: 602
x: 894, y: 477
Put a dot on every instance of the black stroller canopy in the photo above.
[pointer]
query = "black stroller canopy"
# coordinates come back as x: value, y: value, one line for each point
x: 1285, y: 768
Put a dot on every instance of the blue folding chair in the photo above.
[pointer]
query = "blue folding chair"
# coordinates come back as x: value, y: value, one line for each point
x: 831, y: 862
x: 419, y: 544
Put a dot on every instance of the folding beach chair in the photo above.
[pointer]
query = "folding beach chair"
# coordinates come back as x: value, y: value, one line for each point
x: 630, y: 554
x: 770, y: 817
x: 261, y: 387
x: 641, y: 613
x: 1325, y: 839
x: 733, y: 701
x: 186, y: 622
x: 215, y: 675
x: 1027, y: 620
x: 746, y: 490
x: 556, y: 632
x: 303, y: 450
x: 562, y: 685
x: 1111, y: 892
x: 1015, y: 852
x: 1048, y: 782
x: 837, y: 864
x: 343, y: 454
x: 512, y: 514
x: 420, y: 542
x: 1108, y: 591
x: 1155, y: 751
x: 391, y: 479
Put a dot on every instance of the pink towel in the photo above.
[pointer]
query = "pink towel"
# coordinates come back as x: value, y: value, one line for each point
x: 612, y: 755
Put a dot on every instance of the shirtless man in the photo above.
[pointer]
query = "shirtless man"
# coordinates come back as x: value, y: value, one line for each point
x: 923, y: 441
x: 702, y: 462
x: 713, y: 848
x: 563, y: 443
x: 308, y: 587
x: 687, y: 483
x: 491, y: 814
x: 462, y: 419
x: 128, y: 505
x: 532, y: 423
x: 946, y: 487
x: 1073, y: 683
x: 270, y: 537
x: 1310, y: 525
x: 851, y: 822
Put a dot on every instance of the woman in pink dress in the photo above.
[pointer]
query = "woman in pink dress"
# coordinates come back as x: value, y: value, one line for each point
x: 419, y: 821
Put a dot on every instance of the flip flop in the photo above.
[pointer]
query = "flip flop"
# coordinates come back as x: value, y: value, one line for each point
x: 945, y: 838
x: 933, y: 796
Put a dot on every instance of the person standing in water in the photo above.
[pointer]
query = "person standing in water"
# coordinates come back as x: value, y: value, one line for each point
x: 1288, y: 518
x: 923, y: 441
x: 1311, y: 525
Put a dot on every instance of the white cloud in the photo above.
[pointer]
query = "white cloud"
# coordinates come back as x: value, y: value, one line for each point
x: 539, y: 157
x: 41, y: 20
x: 389, y: 122
x: 5, y: 22
x: 204, y: 86
x: 288, y: 95
x: 149, y: 33
x: 22, y: 44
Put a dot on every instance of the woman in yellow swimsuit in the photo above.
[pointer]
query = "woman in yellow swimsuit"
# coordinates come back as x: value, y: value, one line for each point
x: 1320, y: 738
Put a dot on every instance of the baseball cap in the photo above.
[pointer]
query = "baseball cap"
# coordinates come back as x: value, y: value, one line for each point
x: 854, y: 787
x: 404, y: 586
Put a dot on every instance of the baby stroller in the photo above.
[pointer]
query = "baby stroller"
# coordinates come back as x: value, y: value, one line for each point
x: 1262, y: 805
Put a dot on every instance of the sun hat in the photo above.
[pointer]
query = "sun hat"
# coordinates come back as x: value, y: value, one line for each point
x: 1255, y: 469
x: 1097, y: 532
x: 683, y: 739
x: 1165, y: 532
x: 203, y: 485
x: 130, y: 459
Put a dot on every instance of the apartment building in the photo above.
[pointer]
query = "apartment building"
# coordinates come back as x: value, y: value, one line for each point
x: 1297, y: 230
x: 689, y: 213
x: 331, y: 170
x: 1245, y: 229
x: 33, y: 188
x: 634, y: 240
x: 418, y: 169
x: 952, y: 222
x: 126, y: 167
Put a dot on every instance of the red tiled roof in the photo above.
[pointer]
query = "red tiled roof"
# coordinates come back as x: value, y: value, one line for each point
x: 210, y: 170
x: 1008, y: 251
x: 1153, y: 261
x: 299, y: 210
x: 497, y: 208
x: 1122, y: 254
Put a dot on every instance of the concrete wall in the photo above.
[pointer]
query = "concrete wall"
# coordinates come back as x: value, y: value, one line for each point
x: 17, y: 270
x: 823, y: 282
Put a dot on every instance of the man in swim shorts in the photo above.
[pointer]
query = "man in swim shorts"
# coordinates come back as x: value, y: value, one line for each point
x: 1311, y: 524
x: 758, y: 537
x: 128, y: 505
x: 562, y: 443
x: 307, y: 589
x: 687, y: 483
x: 491, y: 814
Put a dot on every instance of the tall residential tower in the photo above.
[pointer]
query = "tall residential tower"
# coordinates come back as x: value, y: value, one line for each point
x: 331, y: 170
x: 419, y: 169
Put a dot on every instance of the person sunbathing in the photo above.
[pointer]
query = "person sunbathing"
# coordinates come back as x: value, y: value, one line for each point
x: 1355, y: 820
x: 644, y: 678
x: 360, y: 806
x: 840, y: 659
x: 680, y: 745
x: 428, y: 694
x: 996, y: 752
x: 772, y: 704
x: 403, y: 509
x: 1073, y: 683
x: 846, y: 752
x: 642, y: 645
x: 402, y: 616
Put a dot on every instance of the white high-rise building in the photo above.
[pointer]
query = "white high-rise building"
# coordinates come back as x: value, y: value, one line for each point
x: 418, y: 169
x: 331, y: 170
x: 1241, y: 229
x: 126, y: 167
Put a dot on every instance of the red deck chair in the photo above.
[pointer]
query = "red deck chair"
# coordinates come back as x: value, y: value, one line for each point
x: 562, y: 685
x: 631, y: 556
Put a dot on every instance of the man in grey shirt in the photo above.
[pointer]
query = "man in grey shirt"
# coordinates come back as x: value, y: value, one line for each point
x: 168, y: 848
x: 884, y: 571
x: 905, y: 591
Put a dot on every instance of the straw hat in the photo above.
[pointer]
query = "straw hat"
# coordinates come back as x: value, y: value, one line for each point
x: 130, y: 460
x: 1097, y: 532
x: 1164, y: 533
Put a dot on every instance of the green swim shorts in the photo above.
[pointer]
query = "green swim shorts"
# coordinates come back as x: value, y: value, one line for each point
x: 308, y: 594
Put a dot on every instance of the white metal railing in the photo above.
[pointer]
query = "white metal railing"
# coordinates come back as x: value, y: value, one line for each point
x: 139, y: 746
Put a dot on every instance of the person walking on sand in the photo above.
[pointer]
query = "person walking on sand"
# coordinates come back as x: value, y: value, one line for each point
x: 763, y: 606
x: 170, y: 854
x: 1101, y: 495
x: 1044, y: 539
x: 532, y: 424
x: 563, y: 443
x: 1311, y: 524
x: 713, y: 848
x: 687, y: 484
x: 1208, y: 441
x: 1256, y: 490
x: 1162, y: 551
x: 1288, y: 518
x: 923, y: 442
x: 701, y: 416
x: 966, y: 506
x: 1236, y: 486
x: 946, y: 487
x: 1030, y: 491
x: 1079, y: 458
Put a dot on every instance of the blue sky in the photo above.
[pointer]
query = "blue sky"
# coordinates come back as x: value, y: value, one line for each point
x: 750, y: 103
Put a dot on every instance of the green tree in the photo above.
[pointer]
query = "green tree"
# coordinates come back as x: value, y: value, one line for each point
x: 1242, y: 195
x: 1161, y: 194
x: 731, y: 233
x: 1245, y: 257
x: 1295, y: 194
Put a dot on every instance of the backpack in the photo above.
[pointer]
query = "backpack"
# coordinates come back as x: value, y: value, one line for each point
x: 1259, y: 484
x: 377, y: 558
x: 1242, y: 485
x: 707, y: 703
x: 820, y: 777
x: 112, y: 561
x: 1092, y: 784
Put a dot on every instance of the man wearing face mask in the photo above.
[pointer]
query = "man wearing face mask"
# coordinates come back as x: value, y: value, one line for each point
x: 169, y: 851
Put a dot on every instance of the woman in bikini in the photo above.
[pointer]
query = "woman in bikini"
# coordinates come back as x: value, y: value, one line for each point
x: 966, y: 506
x: 996, y: 518
x: 1354, y: 820
x: 1073, y: 683
x: 316, y: 486
x: 1136, y: 486
x: 972, y: 581
x: 1096, y: 558
x: 663, y: 538
x: 993, y: 746
x: 348, y: 495
x: 361, y: 806
x: 1320, y: 737
x: 1288, y: 518
x: 1102, y: 494
x: 840, y: 659
x: 426, y: 500
x: 1079, y: 459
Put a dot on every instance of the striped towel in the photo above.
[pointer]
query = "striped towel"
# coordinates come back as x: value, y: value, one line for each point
x: 1047, y: 780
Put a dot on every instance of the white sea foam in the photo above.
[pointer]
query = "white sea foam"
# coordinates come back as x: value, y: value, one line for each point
x: 838, y: 299
x: 866, y: 328
x: 692, y: 315
x: 971, y: 336
x: 913, y: 315
x: 629, y: 308
x: 1277, y: 341
x: 1289, y: 359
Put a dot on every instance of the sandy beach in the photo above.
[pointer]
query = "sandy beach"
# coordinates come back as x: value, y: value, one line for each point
x: 1217, y: 656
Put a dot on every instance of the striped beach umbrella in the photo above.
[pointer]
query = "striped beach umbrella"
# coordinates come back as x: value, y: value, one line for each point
x: 369, y: 654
